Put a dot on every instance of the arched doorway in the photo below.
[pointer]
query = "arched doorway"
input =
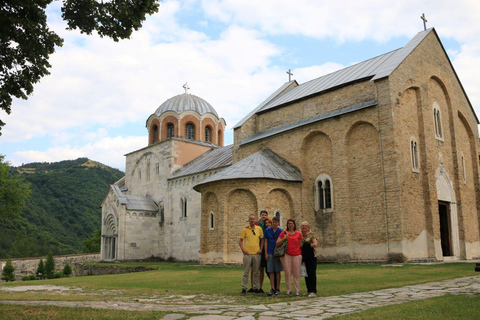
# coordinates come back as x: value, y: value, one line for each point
x: 448, y: 247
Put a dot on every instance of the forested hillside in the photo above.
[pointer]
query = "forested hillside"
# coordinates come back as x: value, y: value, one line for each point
x: 63, y: 208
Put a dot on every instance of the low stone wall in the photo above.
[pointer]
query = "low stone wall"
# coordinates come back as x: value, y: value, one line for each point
x: 28, y: 266
x: 87, y: 270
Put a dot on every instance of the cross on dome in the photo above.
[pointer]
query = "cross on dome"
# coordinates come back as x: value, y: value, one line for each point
x: 290, y: 74
x: 186, y: 87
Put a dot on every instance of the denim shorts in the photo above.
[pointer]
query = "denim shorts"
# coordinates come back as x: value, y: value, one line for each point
x: 273, y: 264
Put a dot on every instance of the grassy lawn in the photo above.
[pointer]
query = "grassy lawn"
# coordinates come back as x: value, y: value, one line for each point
x: 224, y: 281
x: 446, y: 307
x: 61, y: 313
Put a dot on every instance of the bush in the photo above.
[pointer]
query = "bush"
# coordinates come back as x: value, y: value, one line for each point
x: 33, y: 277
x: 67, y: 270
x: 50, y: 266
x: 8, y: 271
x: 41, y: 270
x: 26, y: 278
x: 58, y: 275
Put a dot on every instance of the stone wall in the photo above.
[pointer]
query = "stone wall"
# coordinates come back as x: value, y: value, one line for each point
x: 28, y: 266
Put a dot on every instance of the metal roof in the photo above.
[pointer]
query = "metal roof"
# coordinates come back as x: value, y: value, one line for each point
x: 212, y: 159
x: 373, y: 69
x: 137, y: 203
x: 184, y: 102
x: 280, y: 90
x: 304, y: 122
x: 260, y: 165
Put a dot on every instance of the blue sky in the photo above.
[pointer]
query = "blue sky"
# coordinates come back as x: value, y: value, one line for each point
x: 232, y: 53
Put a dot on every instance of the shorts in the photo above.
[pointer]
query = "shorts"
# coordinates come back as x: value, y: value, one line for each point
x: 273, y: 264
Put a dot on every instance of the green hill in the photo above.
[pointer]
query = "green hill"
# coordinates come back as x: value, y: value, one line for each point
x: 63, y: 208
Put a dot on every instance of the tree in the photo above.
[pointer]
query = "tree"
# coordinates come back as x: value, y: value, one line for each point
x: 8, y: 271
x: 26, y: 41
x: 92, y: 244
x: 13, y: 190
x: 67, y: 270
x: 40, y: 270
x: 50, y: 267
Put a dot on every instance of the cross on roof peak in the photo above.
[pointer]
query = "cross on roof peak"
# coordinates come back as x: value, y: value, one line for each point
x: 186, y: 87
x: 424, y: 21
x: 290, y: 74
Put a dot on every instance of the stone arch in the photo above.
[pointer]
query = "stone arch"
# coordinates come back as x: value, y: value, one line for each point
x: 469, y: 217
x: 367, y: 224
x: 110, y: 236
x: 138, y: 164
x: 240, y: 204
x: 169, y: 119
x: 154, y: 132
x: 438, y: 93
x: 193, y: 119
x: 446, y: 193
x: 280, y: 199
x: 317, y: 159
x: 209, y: 122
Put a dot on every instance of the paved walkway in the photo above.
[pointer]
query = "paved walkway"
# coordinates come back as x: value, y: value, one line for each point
x: 313, y: 308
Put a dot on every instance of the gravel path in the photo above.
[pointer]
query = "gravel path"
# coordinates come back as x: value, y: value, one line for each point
x: 312, y: 308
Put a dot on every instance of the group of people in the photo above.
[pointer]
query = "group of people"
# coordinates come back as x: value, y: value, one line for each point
x: 258, y: 241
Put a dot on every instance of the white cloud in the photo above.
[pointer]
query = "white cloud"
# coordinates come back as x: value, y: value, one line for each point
x: 109, y: 151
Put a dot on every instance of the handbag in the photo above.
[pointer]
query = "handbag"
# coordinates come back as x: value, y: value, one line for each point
x: 280, y: 249
x: 303, y: 270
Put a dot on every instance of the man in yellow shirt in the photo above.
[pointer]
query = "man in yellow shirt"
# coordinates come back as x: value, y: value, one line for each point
x: 251, y: 243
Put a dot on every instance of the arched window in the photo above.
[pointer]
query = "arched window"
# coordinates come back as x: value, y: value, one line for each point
x: 190, y: 131
x: 279, y: 214
x: 211, y: 223
x: 155, y: 133
x: 414, y: 155
x: 464, y: 169
x: 183, y: 203
x: 437, y: 120
x: 208, y: 134
x: 219, y: 138
x: 170, y: 130
x: 323, y: 193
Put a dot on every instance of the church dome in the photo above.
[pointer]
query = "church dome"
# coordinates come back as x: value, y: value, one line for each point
x: 185, y: 102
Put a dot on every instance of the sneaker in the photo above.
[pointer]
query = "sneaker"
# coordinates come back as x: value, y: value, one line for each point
x: 244, y: 291
x: 277, y: 292
x: 257, y: 291
x: 288, y: 293
x: 261, y: 290
x: 251, y: 290
x: 312, y: 294
x: 272, y: 292
x: 297, y: 294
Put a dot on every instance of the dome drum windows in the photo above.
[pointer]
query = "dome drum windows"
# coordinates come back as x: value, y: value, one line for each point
x: 190, y: 131
x: 208, y: 134
x: 170, y: 130
x: 323, y: 193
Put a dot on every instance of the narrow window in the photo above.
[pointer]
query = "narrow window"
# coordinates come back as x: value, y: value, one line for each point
x: 155, y: 133
x: 170, y: 131
x: 208, y: 134
x: 212, y: 221
x: 328, y: 195
x: 157, y: 169
x: 437, y: 119
x: 464, y: 170
x: 183, y: 202
x: 162, y: 211
x: 190, y: 131
x: 148, y: 170
x: 321, y: 199
x: 414, y: 155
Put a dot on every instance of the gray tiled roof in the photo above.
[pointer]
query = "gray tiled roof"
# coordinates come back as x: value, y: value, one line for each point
x: 213, y: 159
x: 304, y: 122
x: 375, y: 68
x: 260, y: 165
x: 137, y: 203
x: 270, y: 98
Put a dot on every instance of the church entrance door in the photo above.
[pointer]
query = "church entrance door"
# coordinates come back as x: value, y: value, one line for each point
x: 445, y: 228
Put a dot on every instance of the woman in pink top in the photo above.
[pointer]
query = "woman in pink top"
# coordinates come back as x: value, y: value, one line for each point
x: 292, y: 261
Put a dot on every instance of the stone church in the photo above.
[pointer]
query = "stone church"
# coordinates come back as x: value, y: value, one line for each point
x: 382, y: 158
